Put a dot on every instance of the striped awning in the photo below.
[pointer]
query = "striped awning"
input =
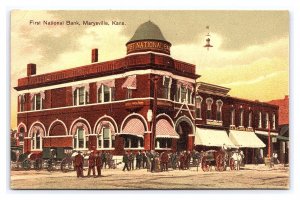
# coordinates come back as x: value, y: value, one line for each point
x: 212, y: 137
x: 108, y: 83
x: 165, y: 130
x: 134, y: 127
x: 245, y: 139
x: 130, y: 82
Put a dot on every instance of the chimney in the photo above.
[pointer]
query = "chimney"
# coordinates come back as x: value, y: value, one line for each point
x: 94, y: 55
x: 31, y: 69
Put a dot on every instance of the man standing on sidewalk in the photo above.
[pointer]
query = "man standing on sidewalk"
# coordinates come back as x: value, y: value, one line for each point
x: 125, y: 161
x: 78, y: 161
x: 99, y: 163
x: 91, y: 164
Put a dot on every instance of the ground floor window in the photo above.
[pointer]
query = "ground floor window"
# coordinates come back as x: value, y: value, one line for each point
x: 80, y: 141
x: 106, y: 139
x: 133, y: 142
x: 163, y: 143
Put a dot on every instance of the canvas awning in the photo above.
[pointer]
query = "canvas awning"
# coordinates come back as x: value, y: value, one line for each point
x: 134, y: 127
x: 165, y: 130
x: 245, y: 139
x: 130, y: 82
x: 212, y: 137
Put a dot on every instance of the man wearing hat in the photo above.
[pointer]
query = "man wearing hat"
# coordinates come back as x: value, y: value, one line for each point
x: 92, y: 164
x: 98, y: 163
x: 78, y: 160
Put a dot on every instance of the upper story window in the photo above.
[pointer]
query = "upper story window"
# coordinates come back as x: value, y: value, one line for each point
x: 105, y: 93
x: 198, y: 106
x: 166, y: 87
x: 219, y: 110
x: 209, y: 102
x: 128, y: 93
x: 36, y: 101
x: 273, y: 121
x: 130, y: 84
x: 183, y: 95
x: 267, y: 121
x: 21, y: 103
x: 190, y: 96
x: 250, y: 119
x: 259, y: 120
x: 80, y: 94
x: 232, y: 117
x: 184, y: 92
x: 242, y: 117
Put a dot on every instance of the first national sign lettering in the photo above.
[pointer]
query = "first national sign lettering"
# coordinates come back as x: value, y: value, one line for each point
x: 156, y: 46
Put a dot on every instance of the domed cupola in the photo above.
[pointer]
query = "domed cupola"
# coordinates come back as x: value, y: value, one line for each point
x: 148, y: 37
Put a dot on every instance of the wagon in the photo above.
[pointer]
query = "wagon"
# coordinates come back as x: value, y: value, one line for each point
x: 55, y: 158
x: 51, y: 158
x: 219, y: 159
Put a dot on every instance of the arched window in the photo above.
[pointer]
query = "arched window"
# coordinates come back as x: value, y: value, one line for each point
x: 219, y: 110
x: 242, y: 117
x: 21, y: 134
x: 267, y: 120
x: 80, y: 139
x: 80, y: 133
x: 36, y: 137
x: 274, y: 121
x: 259, y: 120
x: 209, y: 102
x: 105, y: 135
x: 250, y: 119
x: 198, y: 106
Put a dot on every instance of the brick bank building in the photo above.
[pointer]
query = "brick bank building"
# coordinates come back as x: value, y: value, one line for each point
x: 110, y: 105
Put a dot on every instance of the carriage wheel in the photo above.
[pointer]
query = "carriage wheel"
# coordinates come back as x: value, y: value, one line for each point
x: 66, y: 165
x: 204, y: 164
x: 38, y: 164
x: 26, y: 164
x: 220, y: 163
x: 231, y: 164
x: 50, y: 165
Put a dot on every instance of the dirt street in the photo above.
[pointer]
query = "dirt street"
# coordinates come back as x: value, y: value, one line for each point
x: 250, y: 177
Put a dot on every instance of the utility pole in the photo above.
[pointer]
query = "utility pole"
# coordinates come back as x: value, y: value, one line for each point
x: 154, y: 79
x: 269, y: 140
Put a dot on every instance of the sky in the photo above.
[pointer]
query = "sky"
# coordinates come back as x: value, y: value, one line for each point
x: 250, y: 52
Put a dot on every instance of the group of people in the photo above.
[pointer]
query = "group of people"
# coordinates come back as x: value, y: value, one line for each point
x: 155, y: 161
x: 96, y: 161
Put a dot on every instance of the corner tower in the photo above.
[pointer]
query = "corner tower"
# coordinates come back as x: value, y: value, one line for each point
x: 148, y: 37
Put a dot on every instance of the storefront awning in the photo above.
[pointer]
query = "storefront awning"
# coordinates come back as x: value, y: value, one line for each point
x: 245, y: 139
x: 134, y: 127
x: 265, y: 133
x: 165, y: 130
x: 212, y: 137
x: 130, y: 82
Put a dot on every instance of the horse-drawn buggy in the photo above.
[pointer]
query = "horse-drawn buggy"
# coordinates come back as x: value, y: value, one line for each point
x: 51, y: 158
x: 219, y: 159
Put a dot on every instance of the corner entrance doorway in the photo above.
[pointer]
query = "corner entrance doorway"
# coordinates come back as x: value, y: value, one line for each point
x: 183, y: 128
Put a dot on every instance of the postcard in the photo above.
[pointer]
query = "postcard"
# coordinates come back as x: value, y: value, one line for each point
x: 140, y: 99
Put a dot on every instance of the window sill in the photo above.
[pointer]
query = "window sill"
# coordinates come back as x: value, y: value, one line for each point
x: 134, y: 148
x: 163, y: 148
x: 105, y: 148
